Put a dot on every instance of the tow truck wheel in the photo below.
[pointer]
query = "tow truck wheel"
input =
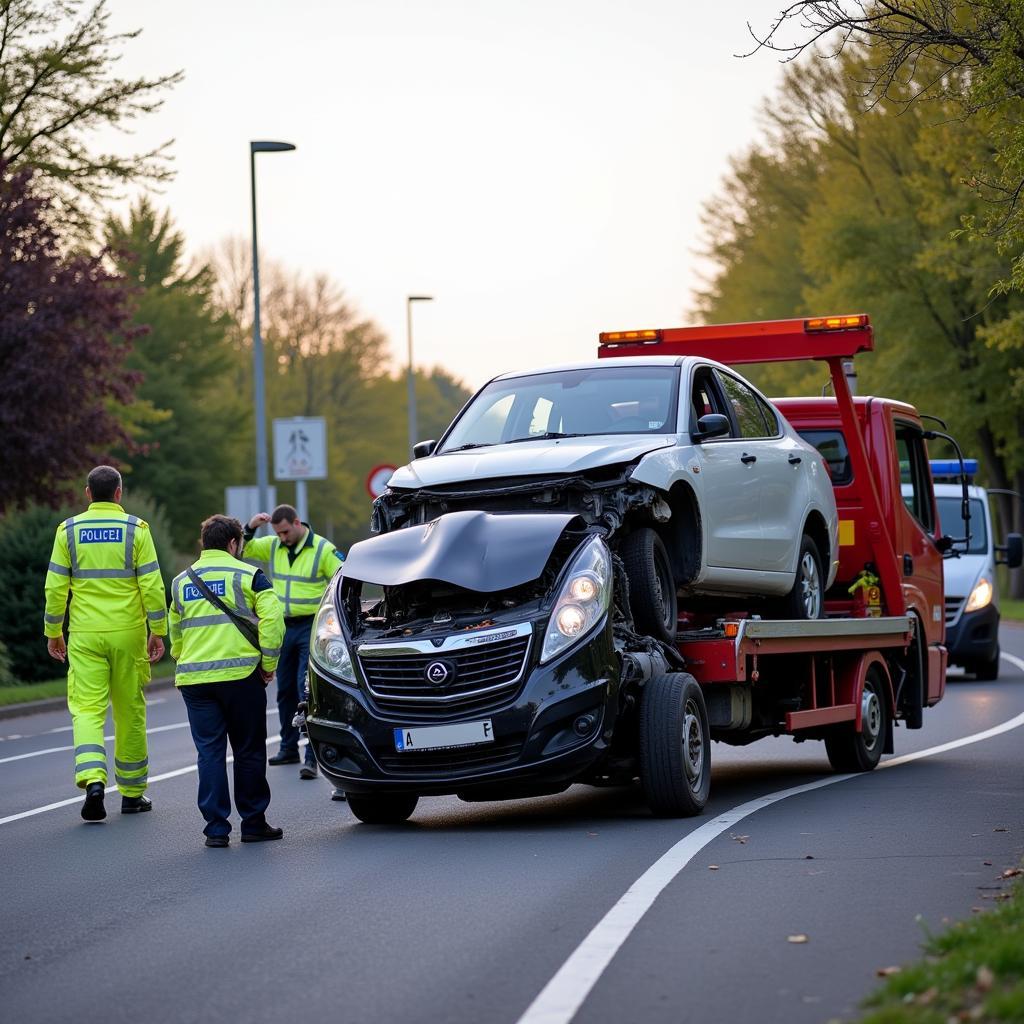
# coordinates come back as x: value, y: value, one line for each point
x: 675, y: 746
x: 652, y: 588
x: 382, y: 808
x: 852, y: 751
x: 807, y: 598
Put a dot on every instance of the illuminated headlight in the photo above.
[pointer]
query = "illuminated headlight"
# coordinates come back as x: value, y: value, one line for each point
x: 582, y: 601
x: 328, y: 648
x: 981, y: 596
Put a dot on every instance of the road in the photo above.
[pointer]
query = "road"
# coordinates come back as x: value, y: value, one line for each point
x: 470, y: 911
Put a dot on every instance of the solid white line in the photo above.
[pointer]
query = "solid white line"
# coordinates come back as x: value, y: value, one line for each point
x: 564, y: 994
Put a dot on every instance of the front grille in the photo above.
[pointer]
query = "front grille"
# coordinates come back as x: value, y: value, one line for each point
x: 459, y: 760
x: 953, y: 609
x: 486, y: 676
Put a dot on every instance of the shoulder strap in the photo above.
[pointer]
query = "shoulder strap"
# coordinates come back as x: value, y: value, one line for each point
x: 247, y: 629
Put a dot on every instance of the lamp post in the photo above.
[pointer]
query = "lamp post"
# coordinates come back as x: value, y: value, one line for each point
x: 411, y: 376
x: 259, y: 396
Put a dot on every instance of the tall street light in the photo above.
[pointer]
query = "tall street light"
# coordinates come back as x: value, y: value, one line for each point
x: 411, y: 376
x: 259, y: 395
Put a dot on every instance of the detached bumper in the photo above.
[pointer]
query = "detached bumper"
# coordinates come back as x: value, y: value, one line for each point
x: 974, y: 638
x: 538, y: 742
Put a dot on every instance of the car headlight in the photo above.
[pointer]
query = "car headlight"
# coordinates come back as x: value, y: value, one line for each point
x: 582, y: 601
x: 328, y: 648
x: 981, y: 596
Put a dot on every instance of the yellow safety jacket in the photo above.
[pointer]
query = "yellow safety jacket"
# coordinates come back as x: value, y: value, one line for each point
x: 107, y: 560
x: 207, y: 645
x: 299, y: 583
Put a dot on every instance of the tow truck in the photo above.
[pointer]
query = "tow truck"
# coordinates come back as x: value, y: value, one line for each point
x: 623, y: 705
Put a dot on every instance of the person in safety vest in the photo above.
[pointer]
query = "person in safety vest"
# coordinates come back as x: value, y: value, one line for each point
x: 106, y: 559
x: 226, y: 628
x: 301, y: 565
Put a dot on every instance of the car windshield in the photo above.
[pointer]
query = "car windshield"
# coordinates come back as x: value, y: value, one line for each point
x: 569, y: 403
x: 949, y: 518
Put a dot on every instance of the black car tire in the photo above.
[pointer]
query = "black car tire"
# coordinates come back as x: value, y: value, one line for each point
x: 987, y: 671
x: 382, y: 808
x: 809, y: 579
x: 852, y: 751
x: 652, y: 589
x: 675, y: 746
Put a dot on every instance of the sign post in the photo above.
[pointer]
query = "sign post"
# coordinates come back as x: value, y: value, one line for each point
x: 300, y: 454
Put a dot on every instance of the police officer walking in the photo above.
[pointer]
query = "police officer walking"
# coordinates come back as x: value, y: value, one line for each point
x: 226, y: 628
x: 106, y: 559
x: 301, y: 565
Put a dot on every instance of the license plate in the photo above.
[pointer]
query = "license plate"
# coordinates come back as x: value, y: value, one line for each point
x: 439, y: 737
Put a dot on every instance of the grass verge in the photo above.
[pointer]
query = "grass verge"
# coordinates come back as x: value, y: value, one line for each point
x: 972, y: 972
x: 32, y: 691
x: 1011, y: 609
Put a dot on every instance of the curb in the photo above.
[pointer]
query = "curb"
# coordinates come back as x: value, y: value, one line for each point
x: 33, y: 707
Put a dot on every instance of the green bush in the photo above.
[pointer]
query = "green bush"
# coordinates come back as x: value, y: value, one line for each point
x: 26, y: 540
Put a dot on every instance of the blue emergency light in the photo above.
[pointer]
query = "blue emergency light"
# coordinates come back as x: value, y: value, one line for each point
x: 951, y: 467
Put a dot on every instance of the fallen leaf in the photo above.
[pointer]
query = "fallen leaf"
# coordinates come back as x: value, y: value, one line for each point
x: 1000, y: 829
x: 808, y: 856
x: 797, y: 939
x: 977, y: 910
x: 1013, y: 872
x: 987, y: 863
x: 884, y: 972
x: 712, y: 867
x: 984, y: 978
x: 739, y: 839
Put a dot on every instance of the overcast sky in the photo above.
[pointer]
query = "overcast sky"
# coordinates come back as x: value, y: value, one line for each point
x: 538, y: 166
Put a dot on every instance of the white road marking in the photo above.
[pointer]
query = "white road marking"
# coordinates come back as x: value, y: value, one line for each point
x: 564, y: 994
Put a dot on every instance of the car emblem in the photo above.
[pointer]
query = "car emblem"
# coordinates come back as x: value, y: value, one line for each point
x: 438, y: 673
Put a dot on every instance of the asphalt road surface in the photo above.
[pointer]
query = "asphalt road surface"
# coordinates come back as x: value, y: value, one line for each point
x: 576, y: 907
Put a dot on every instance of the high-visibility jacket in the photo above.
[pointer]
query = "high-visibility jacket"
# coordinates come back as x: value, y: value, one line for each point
x: 207, y: 645
x: 107, y: 560
x: 299, y: 582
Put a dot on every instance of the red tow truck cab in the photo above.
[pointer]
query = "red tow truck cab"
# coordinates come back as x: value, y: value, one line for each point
x: 878, y: 657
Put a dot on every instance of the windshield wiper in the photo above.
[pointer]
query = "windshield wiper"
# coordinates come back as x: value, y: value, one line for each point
x: 549, y: 436
x: 466, y: 447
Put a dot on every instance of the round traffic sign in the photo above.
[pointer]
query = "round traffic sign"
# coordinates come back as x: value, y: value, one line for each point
x: 377, y: 481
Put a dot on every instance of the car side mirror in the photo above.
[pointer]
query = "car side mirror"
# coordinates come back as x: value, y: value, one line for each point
x: 1012, y: 554
x: 422, y: 449
x: 944, y: 543
x: 712, y: 424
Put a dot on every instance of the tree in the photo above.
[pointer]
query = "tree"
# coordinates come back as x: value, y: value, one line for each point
x: 187, y: 453
x: 57, y: 86
x: 64, y: 334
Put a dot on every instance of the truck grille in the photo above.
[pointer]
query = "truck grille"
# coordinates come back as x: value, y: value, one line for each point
x: 483, y: 677
x: 953, y: 605
x: 447, y: 762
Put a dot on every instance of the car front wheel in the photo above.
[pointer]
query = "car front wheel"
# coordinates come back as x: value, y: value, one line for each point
x: 807, y: 598
x: 652, y: 588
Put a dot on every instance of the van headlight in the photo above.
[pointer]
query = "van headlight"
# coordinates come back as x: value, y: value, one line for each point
x: 981, y: 596
x: 582, y: 601
x: 328, y: 648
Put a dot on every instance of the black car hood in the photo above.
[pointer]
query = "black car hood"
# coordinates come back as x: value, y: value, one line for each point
x: 474, y: 550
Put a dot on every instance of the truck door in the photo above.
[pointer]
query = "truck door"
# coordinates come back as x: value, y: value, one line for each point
x: 921, y: 560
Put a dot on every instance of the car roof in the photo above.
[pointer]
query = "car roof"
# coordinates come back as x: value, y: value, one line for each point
x: 951, y: 490
x: 594, y: 364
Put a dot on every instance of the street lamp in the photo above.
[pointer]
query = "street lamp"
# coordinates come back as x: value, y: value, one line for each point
x: 259, y: 397
x: 411, y: 377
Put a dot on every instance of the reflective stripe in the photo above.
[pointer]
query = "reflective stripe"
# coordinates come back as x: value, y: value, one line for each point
x: 306, y: 600
x: 90, y: 748
x: 142, y: 570
x: 122, y: 781
x: 176, y: 594
x: 60, y: 570
x: 212, y: 666
x: 270, y: 652
x: 205, y: 620
x: 129, y: 542
x: 53, y: 620
x: 69, y: 529
x: 104, y: 574
x: 131, y: 766
x: 316, y: 559
x: 156, y: 616
x: 89, y: 765
x: 293, y: 578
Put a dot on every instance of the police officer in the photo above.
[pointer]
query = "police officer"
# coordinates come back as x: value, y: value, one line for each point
x: 106, y: 559
x: 301, y: 565
x: 222, y: 677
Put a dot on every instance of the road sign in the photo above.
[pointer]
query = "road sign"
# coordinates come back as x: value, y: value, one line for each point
x: 377, y: 481
x: 300, y: 448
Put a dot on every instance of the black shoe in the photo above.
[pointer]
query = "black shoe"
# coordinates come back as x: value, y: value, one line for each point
x: 265, y: 834
x: 284, y: 757
x: 308, y: 771
x: 93, y: 809
x: 338, y: 794
x: 135, y: 804
x: 217, y: 842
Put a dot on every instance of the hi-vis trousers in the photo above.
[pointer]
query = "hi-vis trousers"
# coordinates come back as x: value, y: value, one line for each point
x: 109, y: 669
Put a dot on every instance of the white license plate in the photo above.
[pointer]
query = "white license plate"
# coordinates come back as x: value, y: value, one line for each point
x: 438, y: 737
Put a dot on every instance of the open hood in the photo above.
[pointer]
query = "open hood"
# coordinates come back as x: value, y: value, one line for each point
x: 557, y: 456
x: 474, y: 550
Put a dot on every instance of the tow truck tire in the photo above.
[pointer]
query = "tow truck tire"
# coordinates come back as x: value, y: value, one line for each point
x: 807, y: 598
x: 652, y: 589
x: 852, y: 751
x: 987, y: 671
x: 675, y: 746
x: 382, y: 808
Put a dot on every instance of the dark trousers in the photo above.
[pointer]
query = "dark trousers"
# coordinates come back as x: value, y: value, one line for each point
x: 291, y: 682
x: 234, y: 710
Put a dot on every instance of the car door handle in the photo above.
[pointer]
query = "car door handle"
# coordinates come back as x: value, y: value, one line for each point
x: 748, y: 458
x: 795, y: 460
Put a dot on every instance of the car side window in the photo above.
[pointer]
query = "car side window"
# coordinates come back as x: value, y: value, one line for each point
x: 746, y: 407
x: 704, y: 396
x: 771, y: 417
x: 914, y: 474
